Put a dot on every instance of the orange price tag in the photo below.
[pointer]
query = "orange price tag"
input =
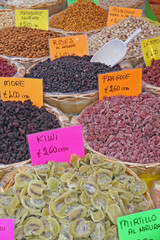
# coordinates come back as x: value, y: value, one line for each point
x: 127, y: 82
x: 21, y: 89
x: 116, y: 14
x: 66, y: 46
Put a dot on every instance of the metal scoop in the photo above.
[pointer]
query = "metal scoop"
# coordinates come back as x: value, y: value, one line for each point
x: 114, y: 51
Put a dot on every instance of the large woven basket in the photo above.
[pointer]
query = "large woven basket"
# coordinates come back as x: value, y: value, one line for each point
x: 8, y: 180
x: 74, y: 103
x: 148, y: 172
x: 63, y: 121
x: 52, y: 6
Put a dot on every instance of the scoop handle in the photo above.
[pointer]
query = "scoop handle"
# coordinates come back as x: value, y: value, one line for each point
x: 133, y: 35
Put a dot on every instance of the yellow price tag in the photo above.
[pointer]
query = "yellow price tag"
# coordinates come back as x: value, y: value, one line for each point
x: 151, y: 50
x: 32, y: 19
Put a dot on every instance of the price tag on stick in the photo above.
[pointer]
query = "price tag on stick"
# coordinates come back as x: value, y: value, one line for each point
x: 67, y: 46
x: 21, y: 89
x: 116, y: 14
x: 56, y: 145
x: 6, y: 229
x: 140, y: 226
x: 32, y: 18
x: 151, y: 50
x: 127, y: 82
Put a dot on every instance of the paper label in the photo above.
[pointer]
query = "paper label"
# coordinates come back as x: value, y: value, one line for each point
x: 21, y: 89
x: 6, y: 229
x: 127, y: 82
x: 73, y: 1
x: 140, y: 226
x: 32, y: 19
x: 116, y: 14
x: 66, y: 46
x: 56, y: 145
x: 151, y: 50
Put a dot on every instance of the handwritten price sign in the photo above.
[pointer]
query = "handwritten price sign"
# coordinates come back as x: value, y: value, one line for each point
x: 6, y: 229
x: 67, y: 46
x: 21, y: 89
x: 140, y: 226
x: 32, y: 19
x: 57, y: 145
x: 127, y: 82
x: 118, y: 13
x: 151, y: 50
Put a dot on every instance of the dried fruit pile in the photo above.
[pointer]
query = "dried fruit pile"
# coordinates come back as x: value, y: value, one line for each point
x: 18, y: 119
x: 6, y: 70
x: 82, y: 201
x: 69, y: 74
x: 25, y: 42
x: 81, y: 16
x: 151, y: 74
x: 122, y: 30
x: 126, y: 128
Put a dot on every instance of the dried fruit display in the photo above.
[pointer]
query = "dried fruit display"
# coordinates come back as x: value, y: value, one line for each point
x: 151, y: 74
x: 18, y: 119
x: 78, y: 201
x: 122, y: 31
x: 6, y: 70
x: 81, y: 16
x: 69, y: 74
x: 25, y: 42
x: 126, y: 128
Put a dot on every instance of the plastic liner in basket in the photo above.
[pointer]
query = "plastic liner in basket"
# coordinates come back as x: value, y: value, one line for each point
x: 148, y: 172
x: 19, y: 67
x: 73, y: 103
x: 64, y: 122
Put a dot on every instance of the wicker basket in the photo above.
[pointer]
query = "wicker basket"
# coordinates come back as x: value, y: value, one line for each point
x: 52, y: 6
x: 20, y: 68
x: 64, y: 122
x: 150, y: 88
x: 149, y: 172
x: 74, y: 103
x: 88, y: 33
x: 8, y: 180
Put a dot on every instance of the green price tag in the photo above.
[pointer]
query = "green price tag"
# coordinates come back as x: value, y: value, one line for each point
x: 151, y: 50
x: 140, y: 226
x: 73, y: 1
x: 32, y: 19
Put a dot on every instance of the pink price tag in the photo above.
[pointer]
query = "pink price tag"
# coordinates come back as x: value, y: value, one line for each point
x: 56, y: 145
x: 6, y: 229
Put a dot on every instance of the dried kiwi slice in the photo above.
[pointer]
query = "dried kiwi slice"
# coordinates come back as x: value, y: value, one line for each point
x: 22, y: 179
x: 35, y: 189
x: 138, y: 188
x: 19, y: 233
x: 98, y: 232
x: 81, y: 228
x: 33, y: 226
